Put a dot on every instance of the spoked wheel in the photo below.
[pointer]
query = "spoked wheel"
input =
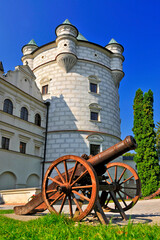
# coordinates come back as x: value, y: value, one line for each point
x: 127, y: 186
x: 69, y: 181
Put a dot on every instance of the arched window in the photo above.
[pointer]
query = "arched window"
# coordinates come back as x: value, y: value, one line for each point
x: 24, y: 114
x: 8, y: 106
x: 38, y: 119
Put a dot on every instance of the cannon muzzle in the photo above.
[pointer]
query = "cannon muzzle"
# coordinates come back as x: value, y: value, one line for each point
x: 102, y: 158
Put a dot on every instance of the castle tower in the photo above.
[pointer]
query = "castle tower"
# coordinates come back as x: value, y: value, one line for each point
x: 80, y: 79
x: 66, y: 45
x: 27, y: 50
x: 117, y: 60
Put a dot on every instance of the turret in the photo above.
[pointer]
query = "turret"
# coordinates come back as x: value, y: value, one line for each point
x: 66, y: 45
x: 117, y: 60
x: 27, y: 50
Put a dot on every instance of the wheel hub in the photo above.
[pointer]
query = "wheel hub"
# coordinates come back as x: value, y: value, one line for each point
x: 66, y: 188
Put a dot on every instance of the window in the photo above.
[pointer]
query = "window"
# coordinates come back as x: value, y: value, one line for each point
x: 95, y: 112
x: 22, y: 147
x: 38, y: 119
x: 8, y: 106
x: 5, y: 143
x: 44, y: 89
x: 94, y: 116
x: 94, y: 149
x: 24, y: 114
x: 93, y: 84
x: 93, y: 87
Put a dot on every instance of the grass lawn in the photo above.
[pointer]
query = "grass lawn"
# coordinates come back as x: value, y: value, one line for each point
x: 52, y: 227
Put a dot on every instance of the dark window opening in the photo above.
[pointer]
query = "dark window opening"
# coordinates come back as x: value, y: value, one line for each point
x: 38, y: 119
x: 94, y: 149
x: 24, y: 114
x: 94, y: 116
x: 5, y: 143
x: 8, y: 106
x: 45, y: 89
x: 93, y: 87
x: 22, y: 147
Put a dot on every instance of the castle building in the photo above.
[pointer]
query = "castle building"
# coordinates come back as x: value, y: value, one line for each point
x: 80, y: 80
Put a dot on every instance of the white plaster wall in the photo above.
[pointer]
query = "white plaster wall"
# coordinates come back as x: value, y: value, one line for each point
x: 12, y: 162
x: 21, y: 165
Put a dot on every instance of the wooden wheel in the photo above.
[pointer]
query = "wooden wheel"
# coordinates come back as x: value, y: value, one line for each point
x: 68, y: 181
x: 127, y: 186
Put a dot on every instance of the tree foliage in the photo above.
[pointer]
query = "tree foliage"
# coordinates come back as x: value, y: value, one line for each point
x: 158, y: 138
x: 146, y: 157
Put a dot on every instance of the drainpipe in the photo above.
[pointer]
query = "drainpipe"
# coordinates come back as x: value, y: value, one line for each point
x: 45, y: 143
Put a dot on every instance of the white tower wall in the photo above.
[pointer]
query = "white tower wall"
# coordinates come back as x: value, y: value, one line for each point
x: 70, y: 128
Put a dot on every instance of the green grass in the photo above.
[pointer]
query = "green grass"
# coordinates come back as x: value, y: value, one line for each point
x: 6, y: 211
x: 51, y: 227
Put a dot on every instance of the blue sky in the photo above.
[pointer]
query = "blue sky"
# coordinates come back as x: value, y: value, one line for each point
x: 134, y: 24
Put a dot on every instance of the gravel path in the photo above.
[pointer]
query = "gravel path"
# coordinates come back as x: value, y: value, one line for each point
x: 144, y: 211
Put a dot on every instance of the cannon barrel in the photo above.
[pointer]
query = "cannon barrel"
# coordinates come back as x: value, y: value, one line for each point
x: 102, y: 158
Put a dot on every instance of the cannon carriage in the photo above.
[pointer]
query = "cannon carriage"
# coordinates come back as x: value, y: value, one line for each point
x: 75, y: 186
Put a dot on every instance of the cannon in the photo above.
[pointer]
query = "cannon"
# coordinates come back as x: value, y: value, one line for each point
x: 76, y: 185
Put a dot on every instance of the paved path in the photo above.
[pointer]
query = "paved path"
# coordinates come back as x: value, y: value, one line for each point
x: 143, y: 211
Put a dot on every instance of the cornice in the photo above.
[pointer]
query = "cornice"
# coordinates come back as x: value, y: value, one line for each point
x: 78, y: 59
x: 83, y: 43
x: 5, y: 124
x: 16, y: 152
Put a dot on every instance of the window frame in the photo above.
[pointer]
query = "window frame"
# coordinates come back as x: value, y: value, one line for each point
x: 92, y: 85
x: 94, y: 80
x: 44, y: 87
x: 5, y: 143
x: 22, y: 147
x: 92, y: 114
x: 8, y: 106
x: 37, y: 119
x: 95, y: 108
x: 24, y: 113
x: 94, y: 144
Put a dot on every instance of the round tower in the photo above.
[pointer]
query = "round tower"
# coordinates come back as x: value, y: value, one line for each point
x: 66, y: 45
x: 80, y: 79
x: 27, y: 50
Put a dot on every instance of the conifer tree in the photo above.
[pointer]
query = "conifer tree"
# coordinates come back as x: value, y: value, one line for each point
x: 158, y: 138
x: 137, y: 125
x: 146, y: 157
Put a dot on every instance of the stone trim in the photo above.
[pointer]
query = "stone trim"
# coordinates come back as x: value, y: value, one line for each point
x: 6, y: 133
x: 11, y: 115
x: 21, y: 129
x: 16, y: 152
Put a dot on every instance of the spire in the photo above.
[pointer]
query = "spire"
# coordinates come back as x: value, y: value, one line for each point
x: 112, y: 41
x: 32, y: 42
x: 81, y: 37
x: 67, y: 22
